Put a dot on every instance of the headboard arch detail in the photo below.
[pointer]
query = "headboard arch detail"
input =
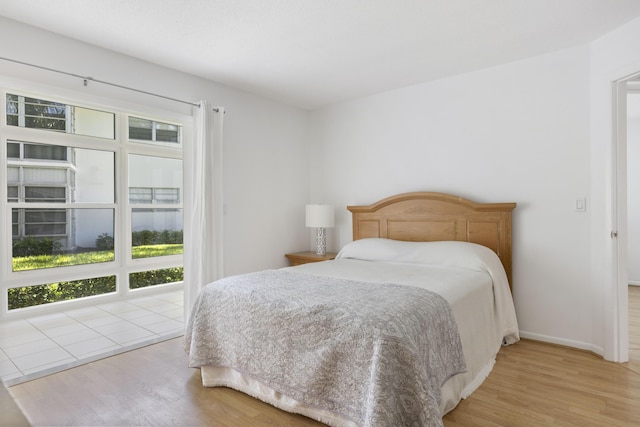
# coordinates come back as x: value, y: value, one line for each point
x: 430, y: 216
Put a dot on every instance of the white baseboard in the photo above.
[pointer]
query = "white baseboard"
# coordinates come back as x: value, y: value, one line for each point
x: 634, y: 283
x: 561, y: 341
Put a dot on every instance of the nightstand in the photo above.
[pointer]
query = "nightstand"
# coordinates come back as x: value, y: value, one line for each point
x: 299, y: 258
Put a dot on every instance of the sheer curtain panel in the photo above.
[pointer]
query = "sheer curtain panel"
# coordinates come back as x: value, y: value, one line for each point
x: 203, y: 255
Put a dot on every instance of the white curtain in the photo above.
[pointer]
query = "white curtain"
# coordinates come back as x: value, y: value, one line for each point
x: 203, y: 255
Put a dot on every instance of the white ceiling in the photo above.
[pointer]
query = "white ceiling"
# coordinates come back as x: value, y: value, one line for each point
x: 311, y: 53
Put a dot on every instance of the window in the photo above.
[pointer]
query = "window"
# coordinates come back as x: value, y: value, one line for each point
x: 67, y: 218
x: 45, y: 152
x: 13, y: 150
x: 155, y: 186
x: 152, y: 131
x: 38, y: 113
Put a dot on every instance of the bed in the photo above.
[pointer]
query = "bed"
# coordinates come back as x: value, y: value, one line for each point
x: 405, y: 322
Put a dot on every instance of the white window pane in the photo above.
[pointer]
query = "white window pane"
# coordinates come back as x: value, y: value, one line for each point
x: 94, y: 180
x: 152, y: 131
x: 157, y: 174
x: 46, y: 238
x: 12, y: 110
x: 42, y: 114
x: 54, y: 116
x: 164, y: 276
x: 156, y: 232
x: 13, y: 174
x: 93, y: 123
x: 30, y: 296
x: 167, y: 133
x: 140, y: 129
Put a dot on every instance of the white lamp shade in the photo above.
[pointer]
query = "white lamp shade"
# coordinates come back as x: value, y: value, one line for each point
x: 320, y: 216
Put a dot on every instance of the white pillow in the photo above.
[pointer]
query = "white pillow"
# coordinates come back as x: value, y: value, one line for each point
x: 446, y: 253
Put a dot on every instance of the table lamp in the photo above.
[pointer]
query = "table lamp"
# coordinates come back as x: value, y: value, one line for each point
x: 320, y: 217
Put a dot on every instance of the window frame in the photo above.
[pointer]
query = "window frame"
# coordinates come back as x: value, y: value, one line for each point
x: 123, y: 264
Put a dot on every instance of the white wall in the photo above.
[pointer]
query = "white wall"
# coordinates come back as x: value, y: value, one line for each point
x: 513, y: 133
x: 266, y: 182
x: 633, y: 186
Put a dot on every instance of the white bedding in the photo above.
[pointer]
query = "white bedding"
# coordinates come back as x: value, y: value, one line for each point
x: 470, y: 277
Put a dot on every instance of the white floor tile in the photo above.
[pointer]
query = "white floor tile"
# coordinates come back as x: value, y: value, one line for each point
x: 44, y: 358
x: 135, y: 314
x: 51, y: 367
x: 176, y: 313
x: 125, y: 336
x: 15, y: 326
x: 49, y: 343
x: 30, y: 348
x: 115, y: 327
x: 87, y: 313
x: 18, y: 338
x: 76, y: 337
x: 118, y: 307
x: 101, y: 354
x: 51, y: 321
x: 7, y: 368
x: 163, y: 307
x: 72, y: 328
x: 101, y: 321
x: 147, y: 302
x: 176, y: 298
x: 148, y: 320
x: 165, y: 326
x: 92, y: 346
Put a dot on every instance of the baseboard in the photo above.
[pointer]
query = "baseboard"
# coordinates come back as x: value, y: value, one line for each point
x: 634, y: 283
x: 564, y: 342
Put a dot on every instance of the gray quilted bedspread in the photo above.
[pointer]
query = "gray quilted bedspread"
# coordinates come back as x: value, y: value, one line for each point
x: 376, y: 354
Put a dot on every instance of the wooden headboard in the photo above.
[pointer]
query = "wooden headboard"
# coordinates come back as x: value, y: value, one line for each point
x: 428, y: 217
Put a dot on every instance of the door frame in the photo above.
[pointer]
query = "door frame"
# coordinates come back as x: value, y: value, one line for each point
x: 620, y: 297
x: 619, y: 229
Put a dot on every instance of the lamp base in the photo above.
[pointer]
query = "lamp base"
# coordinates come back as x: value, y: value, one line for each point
x: 321, y: 241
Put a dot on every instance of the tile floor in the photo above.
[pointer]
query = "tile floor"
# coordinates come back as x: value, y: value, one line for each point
x: 38, y: 346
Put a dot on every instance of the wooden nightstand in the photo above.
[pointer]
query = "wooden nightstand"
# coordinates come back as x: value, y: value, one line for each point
x: 299, y: 258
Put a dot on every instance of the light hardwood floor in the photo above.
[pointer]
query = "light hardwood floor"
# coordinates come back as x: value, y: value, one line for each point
x: 532, y: 384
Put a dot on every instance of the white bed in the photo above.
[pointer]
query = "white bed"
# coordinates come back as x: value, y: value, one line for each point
x: 471, y: 277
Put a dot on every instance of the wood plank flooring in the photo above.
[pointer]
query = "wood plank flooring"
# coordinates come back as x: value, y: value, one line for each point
x: 10, y: 414
x: 532, y: 384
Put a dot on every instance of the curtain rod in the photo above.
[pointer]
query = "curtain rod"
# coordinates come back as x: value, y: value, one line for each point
x: 87, y: 79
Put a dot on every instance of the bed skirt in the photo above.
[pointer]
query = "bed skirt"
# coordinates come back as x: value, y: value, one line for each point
x: 215, y: 376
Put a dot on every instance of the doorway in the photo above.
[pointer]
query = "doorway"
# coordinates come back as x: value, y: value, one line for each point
x: 633, y: 216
